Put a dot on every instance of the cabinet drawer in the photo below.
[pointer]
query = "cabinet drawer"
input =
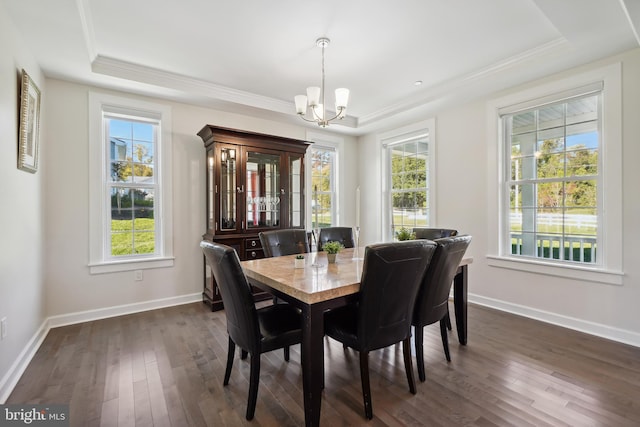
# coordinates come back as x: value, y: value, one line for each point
x: 254, y: 254
x: 252, y: 243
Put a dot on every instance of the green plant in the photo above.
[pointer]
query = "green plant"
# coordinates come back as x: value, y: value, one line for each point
x: 332, y: 247
x: 299, y: 256
x: 405, y: 234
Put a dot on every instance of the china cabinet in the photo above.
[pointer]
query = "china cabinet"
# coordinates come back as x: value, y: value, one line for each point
x: 254, y: 183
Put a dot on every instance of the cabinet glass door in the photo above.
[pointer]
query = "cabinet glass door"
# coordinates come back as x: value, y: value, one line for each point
x: 228, y: 189
x: 263, y: 190
x: 296, y: 195
x: 211, y: 208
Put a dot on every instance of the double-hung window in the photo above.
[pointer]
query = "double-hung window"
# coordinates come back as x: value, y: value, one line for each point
x: 130, y: 185
x: 559, y: 180
x: 409, y: 179
x: 554, y: 181
x: 323, y: 190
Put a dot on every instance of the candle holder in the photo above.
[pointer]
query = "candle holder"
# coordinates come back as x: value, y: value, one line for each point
x: 316, y: 238
x: 356, y: 235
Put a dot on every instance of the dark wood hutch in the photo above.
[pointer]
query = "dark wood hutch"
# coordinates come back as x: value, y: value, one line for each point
x: 255, y: 183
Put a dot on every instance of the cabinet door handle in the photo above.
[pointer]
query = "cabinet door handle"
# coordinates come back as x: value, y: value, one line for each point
x: 240, y: 190
x: 253, y: 254
x: 282, y: 191
x: 253, y: 243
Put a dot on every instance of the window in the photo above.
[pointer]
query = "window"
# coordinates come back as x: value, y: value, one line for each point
x: 559, y: 161
x: 130, y: 185
x: 323, y: 201
x: 409, y: 178
x: 553, y: 182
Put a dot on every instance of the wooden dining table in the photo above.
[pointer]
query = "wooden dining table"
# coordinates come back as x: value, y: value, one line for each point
x: 321, y: 286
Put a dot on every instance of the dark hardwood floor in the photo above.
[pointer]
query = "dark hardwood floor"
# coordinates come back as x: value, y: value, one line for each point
x: 165, y: 368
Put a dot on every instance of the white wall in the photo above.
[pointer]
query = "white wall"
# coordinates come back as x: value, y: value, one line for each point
x: 21, y: 284
x: 462, y: 174
x: 70, y: 287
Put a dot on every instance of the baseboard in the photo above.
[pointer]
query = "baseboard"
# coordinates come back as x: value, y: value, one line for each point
x: 16, y: 370
x: 592, y: 328
x: 120, y: 310
x: 11, y: 378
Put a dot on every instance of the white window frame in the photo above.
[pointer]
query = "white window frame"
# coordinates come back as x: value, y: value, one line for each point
x: 426, y: 128
x: 609, y: 270
x: 328, y: 143
x: 100, y: 259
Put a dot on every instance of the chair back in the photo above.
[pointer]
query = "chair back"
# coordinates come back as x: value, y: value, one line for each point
x: 343, y: 235
x: 432, y: 303
x: 284, y: 242
x: 239, y: 307
x: 391, y: 276
x: 434, y: 233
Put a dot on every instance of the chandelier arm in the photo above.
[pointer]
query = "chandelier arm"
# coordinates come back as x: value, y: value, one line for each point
x: 307, y: 120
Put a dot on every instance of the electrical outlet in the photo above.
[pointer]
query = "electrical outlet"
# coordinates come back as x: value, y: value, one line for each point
x: 3, y: 328
x: 138, y: 275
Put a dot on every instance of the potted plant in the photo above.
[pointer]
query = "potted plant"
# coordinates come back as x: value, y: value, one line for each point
x: 405, y: 234
x: 299, y: 261
x: 332, y: 248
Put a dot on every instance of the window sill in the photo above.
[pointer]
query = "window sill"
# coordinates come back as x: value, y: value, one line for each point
x: 129, y: 265
x: 589, y: 274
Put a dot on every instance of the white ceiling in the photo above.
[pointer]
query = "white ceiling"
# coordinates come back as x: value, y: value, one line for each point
x: 253, y: 56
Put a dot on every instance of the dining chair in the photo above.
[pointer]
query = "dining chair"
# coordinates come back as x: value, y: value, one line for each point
x: 284, y: 242
x: 255, y: 331
x: 434, y: 233
x: 289, y: 241
x: 391, y: 276
x: 432, y: 304
x: 344, y: 235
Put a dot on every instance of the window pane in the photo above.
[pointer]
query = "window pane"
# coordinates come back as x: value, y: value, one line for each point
x: 551, y: 116
x: 550, y: 165
x: 144, y: 242
x: 582, y: 194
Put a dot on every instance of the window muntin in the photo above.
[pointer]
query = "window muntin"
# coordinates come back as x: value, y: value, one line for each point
x: 554, y: 180
x: 323, y: 164
x: 409, y: 183
x: 131, y: 185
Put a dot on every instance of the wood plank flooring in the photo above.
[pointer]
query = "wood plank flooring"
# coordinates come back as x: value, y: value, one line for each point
x: 165, y: 368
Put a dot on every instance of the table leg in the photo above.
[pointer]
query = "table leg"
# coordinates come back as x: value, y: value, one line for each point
x: 312, y: 363
x: 460, y: 303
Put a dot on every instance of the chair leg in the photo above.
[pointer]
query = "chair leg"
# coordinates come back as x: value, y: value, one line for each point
x: 254, y: 379
x: 445, y: 339
x: 408, y: 366
x: 366, y: 387
x: 286, y: 353
x: 419, y: 337
x: 230, y: 354
x: 448, y: 320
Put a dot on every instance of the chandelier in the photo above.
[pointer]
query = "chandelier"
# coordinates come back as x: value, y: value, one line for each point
x: 314, y: 99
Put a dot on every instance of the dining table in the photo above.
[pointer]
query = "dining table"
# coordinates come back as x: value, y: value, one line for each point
x: 318, y: 286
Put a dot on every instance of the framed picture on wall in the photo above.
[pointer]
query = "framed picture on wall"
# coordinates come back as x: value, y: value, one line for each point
x: 29, y: 125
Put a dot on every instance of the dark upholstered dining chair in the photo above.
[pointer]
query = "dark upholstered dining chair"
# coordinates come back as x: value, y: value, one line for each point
x: 343, y: 235
x: 432, y: 304
x: 434, y: 233
x: 255, y: 331
x: 391, y: 276
x: 284, y: 242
